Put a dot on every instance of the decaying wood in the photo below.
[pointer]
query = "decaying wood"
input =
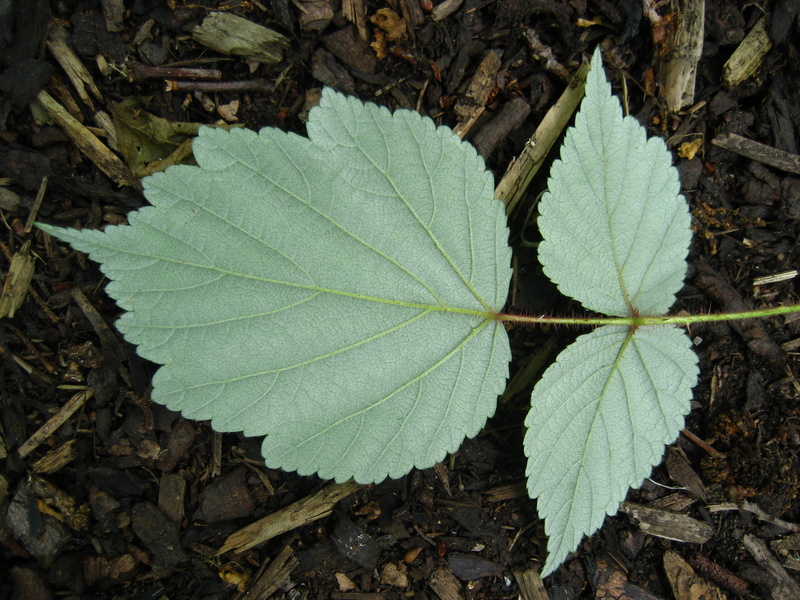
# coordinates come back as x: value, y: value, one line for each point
x: 17, y: 281
x: 719, y: 575
x: 57, y: 458
x: 80, y: 77
x: 681, y: 52
x: 544, y: 54
x: 685, y: 583
x: 747, y: 58
x: 445, y: 9
x: 473, y: 103
x: 295, y: 515
x: 514, y: 184
x: 56, y: 421
x: 271, y: 577
x: 355, y: 11
x: 510, y: 118
x: 784, y: 588
x: 780, y: 159
x: 234, y: 35
x: 530, y: 584
x: 668, y: 525
x: 445, y: 584
x: 88, y: 143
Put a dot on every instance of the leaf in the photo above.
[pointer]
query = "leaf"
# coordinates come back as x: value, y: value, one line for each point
x: 601, y: 416
x: 336, y: 293
x: 147, y: 142
x: 616, y: 229
x: 615, y: 237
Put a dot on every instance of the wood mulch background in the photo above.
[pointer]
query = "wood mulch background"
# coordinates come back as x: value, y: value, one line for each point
x: 121, y: 498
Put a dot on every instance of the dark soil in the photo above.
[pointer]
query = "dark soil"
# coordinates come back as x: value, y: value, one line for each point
x: 128, y: 500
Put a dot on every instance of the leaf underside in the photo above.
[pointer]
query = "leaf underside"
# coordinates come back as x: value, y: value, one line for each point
x: 334, y: 293
x: 615, y: 228
x: 601, y: 417
x: 615, y: 234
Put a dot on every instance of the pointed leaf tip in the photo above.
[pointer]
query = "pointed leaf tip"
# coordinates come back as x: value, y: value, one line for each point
x: 615, y: 229
x: 600, y: 418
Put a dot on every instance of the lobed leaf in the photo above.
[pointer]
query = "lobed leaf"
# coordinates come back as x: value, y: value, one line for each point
x: 334, y: 293
x: 615, y: 237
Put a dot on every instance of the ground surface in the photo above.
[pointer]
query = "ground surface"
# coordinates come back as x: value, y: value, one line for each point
x: 127, y: 500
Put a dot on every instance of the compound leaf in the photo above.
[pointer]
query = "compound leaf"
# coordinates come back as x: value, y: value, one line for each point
x: 600, y: 418
x: 615, y: 234
x: 334, y: 293
x: 615, y: 228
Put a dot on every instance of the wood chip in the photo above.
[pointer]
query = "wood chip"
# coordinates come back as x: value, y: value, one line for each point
x: 685, y: 583
x: 114, y: 12
x: 57, y: 458
x: 668, y: 525
x: 529, y: 583
x: 271, y: 577
x: 229, y: 34
x: 509, y: 119
x: 295, y: 515
x: 89, y: 144
x: 747, y: 58
x: 445, y: 584
x: 472, y: 104
x: 680, y: 54
x: 79, y: 76
x: 445, y: 9
x: 17, y: 281
x: 682, y: 473
x: 171, y: 496
x: 56, y: 421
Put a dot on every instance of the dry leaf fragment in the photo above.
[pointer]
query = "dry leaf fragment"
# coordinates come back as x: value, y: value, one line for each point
x: 392, y: 24
x: 689, y: 149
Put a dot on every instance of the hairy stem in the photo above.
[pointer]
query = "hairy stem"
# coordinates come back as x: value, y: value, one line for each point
x: 639, y: 321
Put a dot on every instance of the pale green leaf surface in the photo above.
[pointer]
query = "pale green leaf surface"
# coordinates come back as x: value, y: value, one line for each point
x: 600, y: 418
x: 303, y: 289
x: 615, y: 228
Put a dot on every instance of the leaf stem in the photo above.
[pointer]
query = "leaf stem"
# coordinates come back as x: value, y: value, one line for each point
x: 639, y: 321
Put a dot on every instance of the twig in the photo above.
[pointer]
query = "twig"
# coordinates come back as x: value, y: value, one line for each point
x: 247, y: 85
x: 88, y: 143
x: 780, y: 159
x: 140, y: 72
x: 299, y: 513
x: 56, y: 421
x: 520, y: 173
x: 36, y: 204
